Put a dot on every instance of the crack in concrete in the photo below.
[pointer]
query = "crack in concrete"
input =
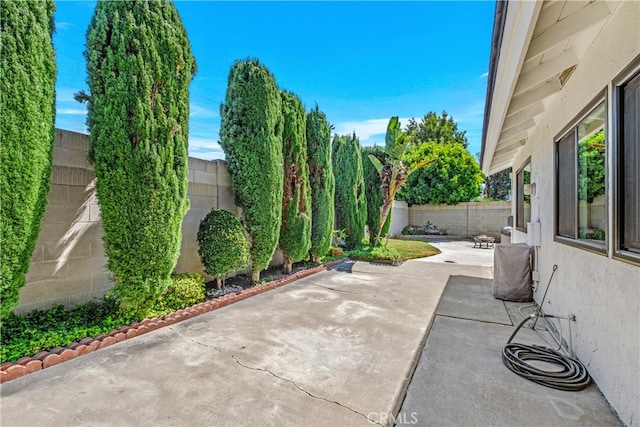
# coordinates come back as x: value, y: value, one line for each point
x: 235, y: 359
x: 301, y: 389
x: 345, y: 291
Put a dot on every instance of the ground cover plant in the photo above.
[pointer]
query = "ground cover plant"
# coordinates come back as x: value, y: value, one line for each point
x: 43, y: 330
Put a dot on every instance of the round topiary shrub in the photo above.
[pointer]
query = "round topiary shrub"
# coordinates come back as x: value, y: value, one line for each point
x: 224, y: 248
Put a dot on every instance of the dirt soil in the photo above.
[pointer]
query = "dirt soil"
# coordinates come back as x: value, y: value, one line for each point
x: 272, y: 273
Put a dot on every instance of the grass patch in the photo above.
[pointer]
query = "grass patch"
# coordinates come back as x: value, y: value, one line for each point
x: 393, y: 250
x: 410, y: 249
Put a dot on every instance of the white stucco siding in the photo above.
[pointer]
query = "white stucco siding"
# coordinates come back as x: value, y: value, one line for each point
x: 603, y: 293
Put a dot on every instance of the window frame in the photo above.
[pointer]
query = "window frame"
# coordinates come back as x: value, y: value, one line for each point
x: 571, y: 129
x: 627, y: 75
x: 520, y: 202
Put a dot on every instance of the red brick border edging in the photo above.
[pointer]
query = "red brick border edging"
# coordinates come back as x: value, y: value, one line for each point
x: 45, y: 359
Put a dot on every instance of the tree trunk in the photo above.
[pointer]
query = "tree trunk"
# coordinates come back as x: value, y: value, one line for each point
x: 255, y: 276
x: 219, y: 282
x: 384, y: 213
x: 315, y: 259
x: 287, y: 265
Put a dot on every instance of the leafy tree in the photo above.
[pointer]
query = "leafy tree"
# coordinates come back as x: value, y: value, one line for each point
x: 322, y: 183
x: 498, y: 185
x: 350, y: 200
x: 295, y: 233
x: 392, y: 170
x: 453, y: 178
x: 591, y: 167
x: 27, y: 100
x: 251, y: 136
x: 223, y: 246
x: 433, y: 128
x: 373, y: 192
x: 139, y: 65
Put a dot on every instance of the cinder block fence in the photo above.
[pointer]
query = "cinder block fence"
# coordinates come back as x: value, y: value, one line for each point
x: 68, y: 264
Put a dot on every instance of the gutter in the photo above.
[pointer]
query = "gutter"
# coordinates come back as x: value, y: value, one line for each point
x: 496, y: 43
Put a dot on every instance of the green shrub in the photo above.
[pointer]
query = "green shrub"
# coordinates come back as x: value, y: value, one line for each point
x: 295, y: 233
x: 251, y: 137
x: 185, y: 290
x: 378, y: 253
x: 139, y: 65
x: 322, y: 183
x: 223, y: 246
x: 27, y: 100
x: 350, y: 200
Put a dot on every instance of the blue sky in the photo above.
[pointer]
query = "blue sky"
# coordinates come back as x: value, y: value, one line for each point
x: 361, y: 62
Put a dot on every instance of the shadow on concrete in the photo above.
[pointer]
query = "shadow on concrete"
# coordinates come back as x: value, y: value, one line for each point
x: 344, y: 267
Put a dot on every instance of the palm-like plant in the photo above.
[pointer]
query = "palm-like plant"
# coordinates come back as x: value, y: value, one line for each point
x: 393, y: 172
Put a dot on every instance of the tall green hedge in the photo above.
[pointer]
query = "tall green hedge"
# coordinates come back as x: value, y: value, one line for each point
x: 27, y: 107
x: 139, y: 65
x: 295, y: 234
x: 373, y: 193
x: 322, y: 183
x: 350, y: 200
x: 251, y: 136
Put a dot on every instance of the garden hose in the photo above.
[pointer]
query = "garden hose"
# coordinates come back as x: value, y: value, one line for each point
x: 572, y: 376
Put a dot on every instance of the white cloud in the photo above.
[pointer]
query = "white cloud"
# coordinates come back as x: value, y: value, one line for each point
x: 368, y: 131
x: 72, y: 111
x: 205, y: 148
x: 484, y: 75
x: 201, y: 112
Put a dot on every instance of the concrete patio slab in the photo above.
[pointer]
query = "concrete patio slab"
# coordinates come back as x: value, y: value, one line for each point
x: 335, y: 348
x: 461, y: 380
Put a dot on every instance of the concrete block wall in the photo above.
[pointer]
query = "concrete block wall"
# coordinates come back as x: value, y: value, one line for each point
x: 464, y: 219
x: 68, y: 265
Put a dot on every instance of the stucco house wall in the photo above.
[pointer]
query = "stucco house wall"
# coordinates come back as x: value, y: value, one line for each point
x: 602, y: 292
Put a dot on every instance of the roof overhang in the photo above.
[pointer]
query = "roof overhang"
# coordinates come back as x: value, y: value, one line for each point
x: 536, y: 46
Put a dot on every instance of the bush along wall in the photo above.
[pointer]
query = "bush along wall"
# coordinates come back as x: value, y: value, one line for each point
x: 139, y: 65
x: 350, y: 200
x: 295, y: 233
x: 27, y: 103
x: 322, y: 183
x: 223, y: 247
x: 251, y: 137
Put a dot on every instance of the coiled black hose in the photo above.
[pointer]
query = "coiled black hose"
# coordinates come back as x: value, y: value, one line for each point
x: 572, y: 377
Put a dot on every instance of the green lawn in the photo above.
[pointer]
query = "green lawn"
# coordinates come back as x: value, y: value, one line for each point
x: 410, y: 249
x: 394, y: 250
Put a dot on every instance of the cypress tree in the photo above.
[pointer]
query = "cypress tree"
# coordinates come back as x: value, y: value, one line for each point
x: 251, y: 137
x: 139, y: 65
x: 373, y: 194
x: 27, y: 105
x: 295, y: 234
x: 350, y: 200
x: 322, y: 183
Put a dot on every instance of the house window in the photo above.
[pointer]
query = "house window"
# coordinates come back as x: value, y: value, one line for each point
x: 628, y: 165
x: 523, y: 201
x: 581, y: 204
